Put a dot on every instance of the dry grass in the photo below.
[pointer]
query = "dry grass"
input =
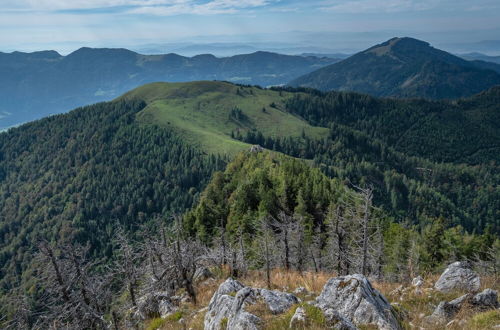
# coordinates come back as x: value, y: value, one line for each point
x: 414, y: 305
x: 289, y: 280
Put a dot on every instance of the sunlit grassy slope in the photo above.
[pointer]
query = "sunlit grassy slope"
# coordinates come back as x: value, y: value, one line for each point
x: 202, y: 112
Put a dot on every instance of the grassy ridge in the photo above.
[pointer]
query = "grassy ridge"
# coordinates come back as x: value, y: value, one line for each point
x: 203, y: 113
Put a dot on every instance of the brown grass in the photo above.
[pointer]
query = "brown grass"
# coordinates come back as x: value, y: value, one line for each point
x: 415, y: 305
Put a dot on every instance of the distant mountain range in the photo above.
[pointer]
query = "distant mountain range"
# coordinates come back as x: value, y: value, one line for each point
x: 405, y: 67
x: 33, y: 85
x: 480, y: 57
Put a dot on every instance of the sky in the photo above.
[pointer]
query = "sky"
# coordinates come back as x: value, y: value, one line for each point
x: 287, y: 25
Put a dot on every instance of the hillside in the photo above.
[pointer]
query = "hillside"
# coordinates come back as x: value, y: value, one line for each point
x: 207, y: 114
x: 274, y: 223
x: 150, y: 153
x: 403, y: 67
x: 462, y: 131
x: 34, y: 85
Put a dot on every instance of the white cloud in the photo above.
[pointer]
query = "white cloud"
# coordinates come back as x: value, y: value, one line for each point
x: 377, y: 6
x: 194, y: 7
x: 156, y: 7
x: 52, y: 5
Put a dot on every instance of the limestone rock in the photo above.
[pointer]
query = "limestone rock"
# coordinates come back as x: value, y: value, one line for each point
x: 240, y: 319
x: 256, y: 148
x: 226, y: 309
x: 417, y: 282
x: 486, y: 299
x: 221, y: 304
x: 337, y: 321
x: 445, y: 311
x: 301, y: 290
x: 298, y: 319
x: 355, y: 300
x: 458, y: 276
x: 278, y: 302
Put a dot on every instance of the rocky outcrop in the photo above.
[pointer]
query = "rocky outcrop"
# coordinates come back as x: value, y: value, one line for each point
x: 487, y: 299
x: 355, y: 300
x: 458, y: 276
x: 298, y: 319
x: 337, y: 321
x: 256, y: 148
x: 240, y: 319
x: 278, y: 302
x: 220, y: 308
x: 445, y: 311
x: 227, y: 306
x: 417, y: 282
x: 301, y: 290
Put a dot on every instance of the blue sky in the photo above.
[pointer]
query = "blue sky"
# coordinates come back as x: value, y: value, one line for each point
x: 348, y: 25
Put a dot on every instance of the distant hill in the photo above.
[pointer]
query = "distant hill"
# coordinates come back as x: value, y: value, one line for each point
x: 403, y: 67
x: 480, y: 57
x: 33, y: 85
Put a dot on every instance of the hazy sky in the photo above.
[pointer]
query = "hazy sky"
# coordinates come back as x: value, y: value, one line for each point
x: 65, y: 25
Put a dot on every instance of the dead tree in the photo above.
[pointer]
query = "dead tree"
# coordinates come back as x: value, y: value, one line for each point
x: 367, y: 198
x: 128, y: 265
x: 75, y: 297
x: 359, y: 210
x: 339, y: 236
x: 285, y: 226
x: 266, y: 248
x: 300, y: 244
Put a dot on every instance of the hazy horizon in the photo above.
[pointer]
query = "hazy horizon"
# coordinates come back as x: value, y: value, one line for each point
x: 287, y: 26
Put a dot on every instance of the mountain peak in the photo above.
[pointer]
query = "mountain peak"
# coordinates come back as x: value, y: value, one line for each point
x: 403, y: 67
x: 397, y: 43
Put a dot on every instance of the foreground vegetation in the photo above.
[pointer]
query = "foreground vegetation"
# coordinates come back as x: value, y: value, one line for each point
x: 413, y: 306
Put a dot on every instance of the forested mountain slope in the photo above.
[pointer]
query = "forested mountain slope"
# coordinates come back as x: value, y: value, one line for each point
x: 34, y: 85
x: 404, y: 67
x: 75, y: 177
x: 149, y: 154
x: 466, y: 130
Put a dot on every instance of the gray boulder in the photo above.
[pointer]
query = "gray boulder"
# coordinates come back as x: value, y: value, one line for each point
x: 228, y: 287
x: 301, y: 290
x: 445, y: 311
x: 337, y: 321
x: 226, y: 309
x: 355, y: 300
x: 487, y: 299
x: 221, y: 304
x: 298, y: 319
x: 417, y: 282
x: 278, y: 302
x: 458, y: 276
x: 256, y: 148
x: 240, y: 319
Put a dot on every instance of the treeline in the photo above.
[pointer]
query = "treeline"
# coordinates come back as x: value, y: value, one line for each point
x: 74, y: 177
x: 411, y: 189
